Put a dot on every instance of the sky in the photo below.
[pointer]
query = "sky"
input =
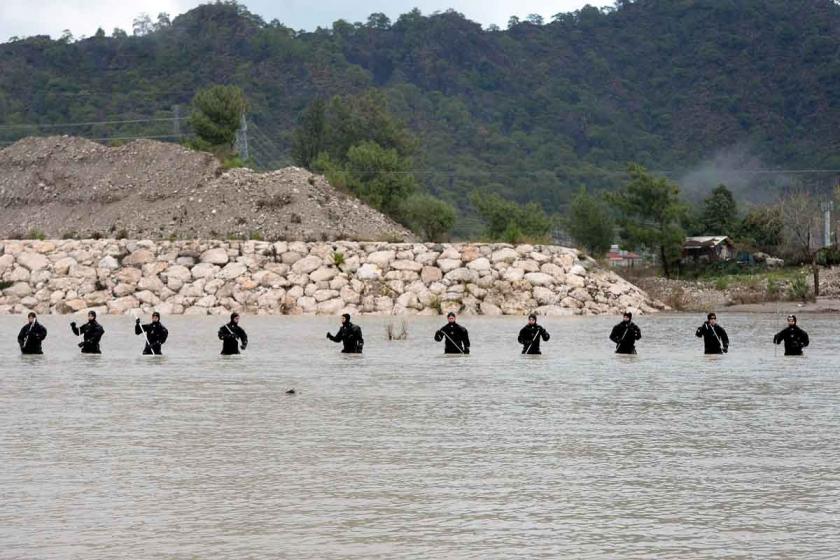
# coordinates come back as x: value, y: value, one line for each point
x: 82, y: 17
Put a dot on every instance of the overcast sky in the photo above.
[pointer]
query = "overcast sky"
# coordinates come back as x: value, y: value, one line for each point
x: 82, y: 17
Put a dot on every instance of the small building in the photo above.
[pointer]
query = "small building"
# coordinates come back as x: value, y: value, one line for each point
x: 619, y: 258
x: 708, y: 248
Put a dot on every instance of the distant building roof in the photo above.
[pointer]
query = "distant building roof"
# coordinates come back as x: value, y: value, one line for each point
x: 707, y: 241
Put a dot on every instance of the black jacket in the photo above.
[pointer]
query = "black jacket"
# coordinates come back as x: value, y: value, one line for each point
x: 92, y: 332
x: 714, y: 338
x: 795, y: 340
x: 456, y: 337
x: 230, y: 334
x: 351, y: 336
x: 30, y: 337
x: 156, y: 334
x: 625, y: 334
x: 529, y: 338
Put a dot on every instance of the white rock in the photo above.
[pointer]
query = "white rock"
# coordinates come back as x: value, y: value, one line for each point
x: 368, y: 271
x: 382, y: 259
x: 323, y: 274
x: 407, y: 265
x: 218, y: 255
x: 461, y: 275
x: 481, y: 263
x: 539, y: 279
x: 232, y: 270
x: 307, y: 264
x: 204, y: 270
x: 109, y: 263
x: 33, y: 261
x: 138, y: 258
x: 446, y: 265
x: 505, y: 254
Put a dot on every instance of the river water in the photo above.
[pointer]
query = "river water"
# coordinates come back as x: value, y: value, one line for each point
x: 406, y: 453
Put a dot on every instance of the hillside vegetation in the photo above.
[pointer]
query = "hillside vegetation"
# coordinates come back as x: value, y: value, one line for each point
x: 532, y: 112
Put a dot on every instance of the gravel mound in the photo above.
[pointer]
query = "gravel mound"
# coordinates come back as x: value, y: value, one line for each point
x: 67, y: 187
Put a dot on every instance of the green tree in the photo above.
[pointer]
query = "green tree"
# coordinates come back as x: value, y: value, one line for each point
x: 508, y: 221
x: 590, y: 224
x: 215, y: 117
x: 429, y: 216
x: 720, y: 213
x: 310, y: 137
x: 377, y: 175
x: 651, y: 211
x: 763, y: 228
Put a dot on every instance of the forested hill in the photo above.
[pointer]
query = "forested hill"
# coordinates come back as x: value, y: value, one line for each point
x: 532, y: 112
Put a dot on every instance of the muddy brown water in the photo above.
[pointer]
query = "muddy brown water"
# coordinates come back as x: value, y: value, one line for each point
x: 405, y: 453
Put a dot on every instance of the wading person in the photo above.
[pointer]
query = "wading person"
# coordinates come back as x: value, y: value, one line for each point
x: 795, y: 339
x: 530, y: 335
x: 233, y: 336
x: 714, y: 336
x: 92, y: 333
x: 31, y: 335
x: 457, y: 340
x: 156, y: 334
x: 625, y: 334
x: 350, y: 335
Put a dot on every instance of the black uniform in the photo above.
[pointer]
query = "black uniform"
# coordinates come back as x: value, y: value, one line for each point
x: 795, y: 340
x: 351, y: 336
x: 456, y: 337
x: 714, y: 338
x: 30, y: 337
x: 625, y: 334
x: 529, y: 338
x: 92, y: 332
x: 230, y: 334
x: 156, y: 334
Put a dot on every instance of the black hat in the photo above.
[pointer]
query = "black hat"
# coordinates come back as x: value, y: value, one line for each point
x: 233, y: 316
x: 792, y: 317
x: 156, y: 314
x: 450, y: 314
x: 532, y: 316
x: 92, y: 314
x: 31, y: 314
x: 628, y: 314
x: 711, y: 316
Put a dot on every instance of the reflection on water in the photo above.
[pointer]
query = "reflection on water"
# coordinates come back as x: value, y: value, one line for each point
x: 406, y: 453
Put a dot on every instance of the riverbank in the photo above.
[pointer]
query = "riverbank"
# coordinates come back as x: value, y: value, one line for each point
x: 206, y: 277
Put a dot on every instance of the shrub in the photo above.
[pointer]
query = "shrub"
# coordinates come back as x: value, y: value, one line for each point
x: 799, y: 289
x: 35, y: 233
x: 428, y: 216
x: 338, y: 259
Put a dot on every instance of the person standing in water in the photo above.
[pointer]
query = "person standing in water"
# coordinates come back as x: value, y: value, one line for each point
x: 233, y: 336
x: 530, y: 335
x: 350, y: 335
x: 156, y: 334
x: 795, y: 339
x: 714, y: 336
x: 456, y: 336
x: 31, y: 335
x: 625, y: 334
x: 92, y: 332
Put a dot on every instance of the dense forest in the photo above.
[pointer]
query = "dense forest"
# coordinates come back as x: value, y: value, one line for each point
x: 532, y: 112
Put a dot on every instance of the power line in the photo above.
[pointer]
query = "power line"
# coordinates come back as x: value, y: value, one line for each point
x: 153, y: 137
x: 90, y: 123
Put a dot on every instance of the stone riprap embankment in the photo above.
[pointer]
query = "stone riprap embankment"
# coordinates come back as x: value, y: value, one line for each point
x: 216, y: 277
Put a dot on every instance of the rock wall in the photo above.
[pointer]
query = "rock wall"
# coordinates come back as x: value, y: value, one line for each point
x: 215, y: 277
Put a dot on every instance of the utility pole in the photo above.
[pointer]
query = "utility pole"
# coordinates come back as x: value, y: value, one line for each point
x: 176, y: 125
x: 827, y: 207
x: 242, y: 137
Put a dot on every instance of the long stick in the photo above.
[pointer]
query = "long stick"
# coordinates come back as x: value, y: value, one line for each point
x: 146, y: 336
x: 532, y: 342
x: 720, y: 342
x: 452, y: 341
x: 26, y: 338
x: 617, y: 344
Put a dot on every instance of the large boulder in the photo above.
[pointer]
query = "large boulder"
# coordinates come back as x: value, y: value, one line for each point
x: 217, y: 255
x: 138, y: 258
x: 307, y: 264
x: 33, y: 261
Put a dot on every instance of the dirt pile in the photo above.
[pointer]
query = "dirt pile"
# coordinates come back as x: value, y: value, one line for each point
x: 72, y: 187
